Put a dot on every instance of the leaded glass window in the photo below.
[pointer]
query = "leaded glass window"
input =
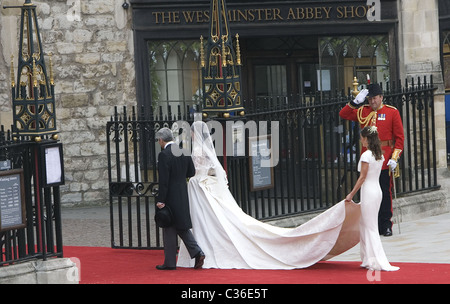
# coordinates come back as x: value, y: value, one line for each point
x: 343, y: 57
x: 175, y: 75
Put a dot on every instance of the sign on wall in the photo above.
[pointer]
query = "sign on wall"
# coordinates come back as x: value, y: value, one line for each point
x: 278, y: 12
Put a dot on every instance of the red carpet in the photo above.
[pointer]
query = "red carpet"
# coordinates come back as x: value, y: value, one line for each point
x: 103, y: 265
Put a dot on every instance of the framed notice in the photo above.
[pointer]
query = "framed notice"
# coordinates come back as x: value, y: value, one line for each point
x: 12, y: 200
x: 53, y: 165
x: 260, y: 163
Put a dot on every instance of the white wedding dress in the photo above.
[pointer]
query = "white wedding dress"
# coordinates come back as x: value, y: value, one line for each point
x: 232, y: 239
x: 372, y: 253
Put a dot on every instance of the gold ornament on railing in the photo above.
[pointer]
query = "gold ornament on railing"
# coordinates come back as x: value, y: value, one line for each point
x: 221, y: 67
x: 355, y: 87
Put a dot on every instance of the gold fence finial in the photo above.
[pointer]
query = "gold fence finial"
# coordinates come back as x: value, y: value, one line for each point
x: 355, y: 87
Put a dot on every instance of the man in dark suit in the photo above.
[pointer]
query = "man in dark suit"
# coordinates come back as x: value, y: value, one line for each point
x: 173, y: 171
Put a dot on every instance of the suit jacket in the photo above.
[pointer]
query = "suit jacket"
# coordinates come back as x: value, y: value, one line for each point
x: 173, y: 171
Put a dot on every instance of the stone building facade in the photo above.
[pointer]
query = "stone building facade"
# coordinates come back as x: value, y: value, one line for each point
x: 93, y: 47
x: 93, y: 61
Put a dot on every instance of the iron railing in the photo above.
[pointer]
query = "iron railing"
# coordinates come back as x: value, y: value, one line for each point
x: 320, y: 151
x: 318, y: 155
x: 131, y: 172
x: 41, y: 237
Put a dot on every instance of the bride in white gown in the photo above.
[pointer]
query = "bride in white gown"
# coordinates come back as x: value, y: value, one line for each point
x: 370, y: 163
x: 232, y: 239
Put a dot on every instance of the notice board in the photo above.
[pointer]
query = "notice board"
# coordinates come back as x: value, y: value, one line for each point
x: 12, y: 200
x: 53, y: 165
x: 260, y: 168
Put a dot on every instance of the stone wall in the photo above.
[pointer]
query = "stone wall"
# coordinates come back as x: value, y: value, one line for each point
x: 93, y: 62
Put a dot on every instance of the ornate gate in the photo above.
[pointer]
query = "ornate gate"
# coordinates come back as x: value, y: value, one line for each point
x: 132, y: 154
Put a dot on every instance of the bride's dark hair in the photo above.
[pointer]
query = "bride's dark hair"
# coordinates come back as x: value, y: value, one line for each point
x: 373, y: 141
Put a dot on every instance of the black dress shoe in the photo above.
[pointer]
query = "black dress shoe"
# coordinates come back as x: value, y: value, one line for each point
x: 388, y: 232
x: 199, y: 260
x: 164, y: 267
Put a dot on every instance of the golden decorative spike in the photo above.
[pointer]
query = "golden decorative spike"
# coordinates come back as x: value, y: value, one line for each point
x: 202, y: 53
x: 355, y: 86
x: 52, y: 81
x: 35, y: 73
x: 224, y: 53
x: 238, y: 51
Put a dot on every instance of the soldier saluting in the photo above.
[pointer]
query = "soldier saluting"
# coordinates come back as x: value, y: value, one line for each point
x: 390, y: 130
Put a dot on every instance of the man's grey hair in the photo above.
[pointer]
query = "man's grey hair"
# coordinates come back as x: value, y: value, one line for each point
x: 165, y: 134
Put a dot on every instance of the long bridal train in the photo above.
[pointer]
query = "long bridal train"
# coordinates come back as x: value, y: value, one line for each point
x: 232, y: 239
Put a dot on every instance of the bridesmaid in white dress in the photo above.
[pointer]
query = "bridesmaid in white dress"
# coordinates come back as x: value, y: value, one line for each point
x: 370, y: 163
x: 232, y: 239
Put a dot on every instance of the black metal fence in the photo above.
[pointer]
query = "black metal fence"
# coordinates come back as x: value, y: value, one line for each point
x: 318, y: 155
x: 132, y: 175
x: 320, y: 151
x: 41, y: 235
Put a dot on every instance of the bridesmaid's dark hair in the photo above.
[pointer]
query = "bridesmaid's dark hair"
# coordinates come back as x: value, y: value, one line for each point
x: 373, y: 141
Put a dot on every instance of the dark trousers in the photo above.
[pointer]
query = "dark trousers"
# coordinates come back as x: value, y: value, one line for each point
x: 170, y: 244
x: 385, y: 212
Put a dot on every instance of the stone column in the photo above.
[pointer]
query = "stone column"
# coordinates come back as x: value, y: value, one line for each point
x: 419, y: 55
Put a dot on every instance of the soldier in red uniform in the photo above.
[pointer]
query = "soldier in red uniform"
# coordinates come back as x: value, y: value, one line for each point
x: 390, y: 130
